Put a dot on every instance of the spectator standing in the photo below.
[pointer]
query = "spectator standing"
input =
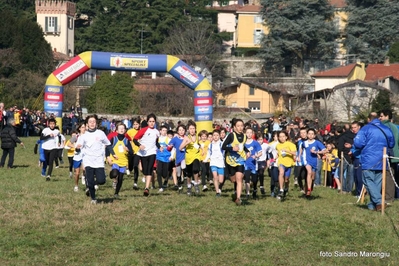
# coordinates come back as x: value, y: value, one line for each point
x: 9, y: 141
x: 371, y: 139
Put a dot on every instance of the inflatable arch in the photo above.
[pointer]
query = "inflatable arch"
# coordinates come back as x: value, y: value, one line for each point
x: 53, y: 93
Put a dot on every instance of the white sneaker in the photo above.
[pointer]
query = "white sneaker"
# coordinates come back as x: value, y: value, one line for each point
x: 204, y: 188
x: 127, y: 172
x: 143, y: 179
x: 70, y: 174
x: 160, y: 190
x: 94, y: 202
x: 57, y: 167
x: 96, y: 187
x: 83, y: 180
x: 76, y: 189
x: 114, y: 184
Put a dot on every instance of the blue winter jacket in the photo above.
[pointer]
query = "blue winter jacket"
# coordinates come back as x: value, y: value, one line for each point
x: 371, y: 141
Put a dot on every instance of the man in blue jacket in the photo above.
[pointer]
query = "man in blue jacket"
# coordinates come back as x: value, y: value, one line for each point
x: 371, y: 139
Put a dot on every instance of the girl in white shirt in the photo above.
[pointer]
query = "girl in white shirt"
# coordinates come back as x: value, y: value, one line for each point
x: 216, y: 156
x: 50, y: 136
x: 92, y: 147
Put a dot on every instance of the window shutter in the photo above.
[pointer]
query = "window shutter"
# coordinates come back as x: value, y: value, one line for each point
x: 56, y: 25
x: 46, y: 24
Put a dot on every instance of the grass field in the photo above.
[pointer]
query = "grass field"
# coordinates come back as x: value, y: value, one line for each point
x: 46, y: 223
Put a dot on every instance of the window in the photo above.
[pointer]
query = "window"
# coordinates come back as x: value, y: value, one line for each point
x: 350, y: 93
x: 363, y: 93
x: 224, y: 2
x: 258, y: 19
x: 254, y: 106
x: 70, y: 23
x: 251, y: 90
x: 222, y: 102
x: 51, y: 24
x: 258, y: 34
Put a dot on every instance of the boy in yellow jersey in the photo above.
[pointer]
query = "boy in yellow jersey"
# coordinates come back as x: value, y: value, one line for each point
x: 71, y: 152
x: 204, y: 144
x: 119, y: 160
x: 134, y: 160
x: 286, y: 151
x: 193, y: 156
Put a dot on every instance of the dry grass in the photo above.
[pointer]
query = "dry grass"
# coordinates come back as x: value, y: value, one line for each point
x: 46, y: 223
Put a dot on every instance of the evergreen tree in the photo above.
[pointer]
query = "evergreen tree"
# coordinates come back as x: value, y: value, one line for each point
x: 382, y: 101
x: 372, y: 27
x: 127, y: 26
x: 299, y: 31
x: 112, y: 94
x: 393, y: 53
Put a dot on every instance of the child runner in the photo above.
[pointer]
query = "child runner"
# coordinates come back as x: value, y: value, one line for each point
x: 312, y: 148
x: 255, y: 151
x: 193, y: 156
x: 50, y: 137
x: 215, y: 155
x: 300, y: 169
x: 134, y: 159
x: 210, y: 176
x: 204, y: 144
x: 273, y: 166
x: 70, y: 152
x: 236, y: 154
x: 42, y: 158
x: 180, y: 163
x: 146, y: 139
x: 286, y: 160
x: 163, y: 159
x: 92, y: 146
x: 120, y: 149
x: 263, y: 161
x: 77, y: 158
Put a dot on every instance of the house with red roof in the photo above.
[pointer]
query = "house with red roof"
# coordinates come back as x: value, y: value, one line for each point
x: 385, y: 75
x: 335, y: 76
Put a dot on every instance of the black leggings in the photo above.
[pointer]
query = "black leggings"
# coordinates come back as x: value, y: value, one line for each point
x: 251, y: 176
x: 50, y: 156
x: 205, y: 172
x: 119, y: 184
x: 147, y: 163
x: 162, y: 172
x: 70, y: 160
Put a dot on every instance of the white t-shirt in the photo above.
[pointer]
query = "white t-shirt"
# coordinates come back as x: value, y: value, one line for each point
x: 215, y: 154
x: 147, y: 137
x: 92, y: 149
x: 52, y: 142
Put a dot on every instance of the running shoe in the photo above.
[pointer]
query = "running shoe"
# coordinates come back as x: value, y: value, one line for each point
x: 146, y: 192
x: 76, y: 189
x: 254, y: 196
x: 189, y: 191
x: 262, y: 191
x: 197, y: 190
x: 135, y: 187
x: 238, y: 201
x: 94, y: 202
x: 48, y: 178
x: 83, y: 180
x: 204, y: 188
x: 160, y: 190
x: 87, y: 191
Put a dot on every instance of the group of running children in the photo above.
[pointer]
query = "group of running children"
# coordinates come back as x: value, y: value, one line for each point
x: 241, y: 156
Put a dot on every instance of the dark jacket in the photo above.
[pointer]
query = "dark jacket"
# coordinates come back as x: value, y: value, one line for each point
x: 8, y: 137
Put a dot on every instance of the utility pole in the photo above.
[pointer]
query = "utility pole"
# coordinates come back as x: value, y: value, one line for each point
x: 141, y: 37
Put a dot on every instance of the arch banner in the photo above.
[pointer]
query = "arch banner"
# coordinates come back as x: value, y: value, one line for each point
x: 203, y: 100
